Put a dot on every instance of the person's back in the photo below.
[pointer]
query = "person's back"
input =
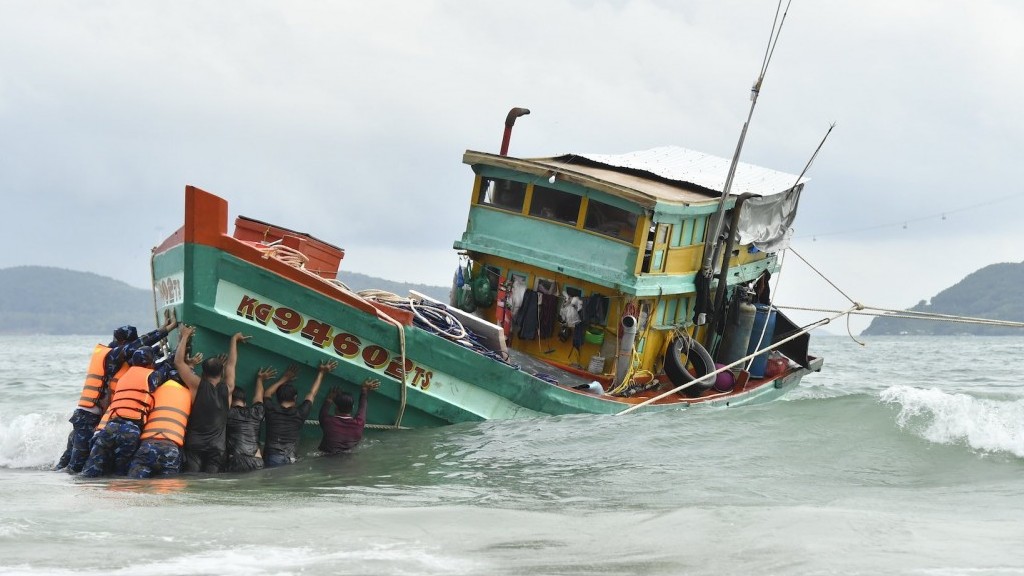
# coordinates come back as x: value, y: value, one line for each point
x: 284, y: 426
x: 285, y: 418
x: 243, y: 427
x: 342, y: 431
x: 159, y: 452
x: 243, y: 437
x: 205, y: 438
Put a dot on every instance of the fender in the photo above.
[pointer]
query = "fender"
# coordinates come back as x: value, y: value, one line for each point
x: 676, y: 363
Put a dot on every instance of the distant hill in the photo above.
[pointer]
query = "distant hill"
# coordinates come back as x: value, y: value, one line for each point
x: 991, y: 292
x: 45, y: 300
x: 356, y: 282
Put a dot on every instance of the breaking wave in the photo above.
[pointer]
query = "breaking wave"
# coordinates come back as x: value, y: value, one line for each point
x: 33, y: 440
x: 944, y: 418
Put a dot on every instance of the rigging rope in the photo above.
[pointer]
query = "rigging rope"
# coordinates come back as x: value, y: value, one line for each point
x: 912, y: 315
x: 863, y: 310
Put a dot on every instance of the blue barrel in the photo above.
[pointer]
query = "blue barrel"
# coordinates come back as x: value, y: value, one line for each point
x: 764, y: 314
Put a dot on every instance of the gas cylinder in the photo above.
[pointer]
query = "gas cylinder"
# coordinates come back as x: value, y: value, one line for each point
x: 736, y: 337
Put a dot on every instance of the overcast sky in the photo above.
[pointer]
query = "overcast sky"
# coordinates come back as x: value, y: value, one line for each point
x: 348, y: 120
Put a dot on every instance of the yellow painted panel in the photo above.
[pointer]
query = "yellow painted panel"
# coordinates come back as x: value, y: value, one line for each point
x: 683, y: 260
x: 746, y: 257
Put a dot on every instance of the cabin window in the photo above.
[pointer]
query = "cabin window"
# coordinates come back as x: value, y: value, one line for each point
x: 545, y: 286
x: 516, y: 278
x: 493, y: 275
x: 610, y: 221
x: 685, y: 233
x: 551, y: 204
x: 504, y: 194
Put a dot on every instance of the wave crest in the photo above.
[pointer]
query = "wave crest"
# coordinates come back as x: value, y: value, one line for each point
x: 32, y: 440
x: 943, y: 418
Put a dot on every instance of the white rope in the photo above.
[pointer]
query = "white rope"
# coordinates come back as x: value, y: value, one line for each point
x: 912, y: 315
x: 286, y: 254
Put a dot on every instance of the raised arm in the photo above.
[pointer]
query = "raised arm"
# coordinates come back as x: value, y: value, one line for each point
x: 325, y: 367
x: 261, y: 375
x: 151, y: 338
x: 369, y: 385
x: 181, y: 364
x: 229, y: 364
x: 289, y: 374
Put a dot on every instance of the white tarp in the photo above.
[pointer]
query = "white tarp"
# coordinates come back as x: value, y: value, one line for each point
x: 766, y: 221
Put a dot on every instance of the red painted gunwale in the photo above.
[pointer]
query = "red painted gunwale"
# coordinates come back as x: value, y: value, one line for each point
x: 206, y: 223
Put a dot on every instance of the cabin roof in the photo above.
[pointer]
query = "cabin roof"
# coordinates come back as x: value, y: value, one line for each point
x: 665, y: 174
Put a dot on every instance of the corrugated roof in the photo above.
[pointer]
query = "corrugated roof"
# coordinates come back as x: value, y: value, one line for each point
x: 687, y: 166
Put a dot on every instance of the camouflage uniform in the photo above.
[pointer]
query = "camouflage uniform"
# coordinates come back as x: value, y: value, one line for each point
x: 112, y: 448
x: 155, y: 458
x: 83, y: 426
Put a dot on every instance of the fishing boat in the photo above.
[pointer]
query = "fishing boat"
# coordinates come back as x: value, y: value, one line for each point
x: 586, y: 283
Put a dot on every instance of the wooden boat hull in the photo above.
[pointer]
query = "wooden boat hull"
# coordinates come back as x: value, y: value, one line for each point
x: 223, y: 285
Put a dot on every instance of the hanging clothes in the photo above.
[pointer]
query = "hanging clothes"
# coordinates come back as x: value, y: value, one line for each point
x: 569, y: 313
x: 595, y: 309
x: 518, y: 289
x: 527, y: 319
x: 548, y: 314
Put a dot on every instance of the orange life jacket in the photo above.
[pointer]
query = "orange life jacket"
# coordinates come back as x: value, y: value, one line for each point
x: 172, y: 404
x: 112, y: 386
x: 117, y: 376
x: 132, y: 400
x: 92, y: 390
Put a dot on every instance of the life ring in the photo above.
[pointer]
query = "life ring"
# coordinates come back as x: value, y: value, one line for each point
x: 676, y: 366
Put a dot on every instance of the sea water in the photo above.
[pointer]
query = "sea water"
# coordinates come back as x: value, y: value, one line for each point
x: 905, y: 456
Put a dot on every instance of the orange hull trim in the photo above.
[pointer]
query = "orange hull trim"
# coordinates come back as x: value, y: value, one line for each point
x: 206, y: 223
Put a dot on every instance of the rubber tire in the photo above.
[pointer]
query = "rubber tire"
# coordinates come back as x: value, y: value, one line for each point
x: 675, y: 367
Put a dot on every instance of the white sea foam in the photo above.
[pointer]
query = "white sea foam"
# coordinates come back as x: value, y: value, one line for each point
x: 943, y: 418
x: 32, y: 440
x: 255, y: 560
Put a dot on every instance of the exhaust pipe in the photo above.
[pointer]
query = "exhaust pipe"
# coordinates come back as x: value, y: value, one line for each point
x: 627, y: 335
x: 510, y: 121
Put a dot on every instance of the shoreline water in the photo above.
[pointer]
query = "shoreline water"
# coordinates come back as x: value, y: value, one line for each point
x: 892, y: 460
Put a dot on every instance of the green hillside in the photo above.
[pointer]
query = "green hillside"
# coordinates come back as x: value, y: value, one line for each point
x: 356, y: 282
x: 991, y: 292
x: 45, y: 300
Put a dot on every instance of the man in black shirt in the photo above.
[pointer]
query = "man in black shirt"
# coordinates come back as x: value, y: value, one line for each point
x: 285, y: 419
x: 205, y: 438
x: 244, y: 423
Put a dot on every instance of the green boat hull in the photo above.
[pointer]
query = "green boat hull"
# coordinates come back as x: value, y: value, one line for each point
x: 445, y: 382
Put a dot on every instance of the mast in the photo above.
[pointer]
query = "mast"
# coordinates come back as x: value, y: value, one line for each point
x: 714, y: 231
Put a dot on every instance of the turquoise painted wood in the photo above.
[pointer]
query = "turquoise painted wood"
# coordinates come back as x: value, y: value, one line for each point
x: 447, y: 383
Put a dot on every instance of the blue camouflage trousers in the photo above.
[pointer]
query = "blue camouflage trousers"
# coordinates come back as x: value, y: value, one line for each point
x: 83, y: 426
x: 112, y: 449
x: 155, y: 458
